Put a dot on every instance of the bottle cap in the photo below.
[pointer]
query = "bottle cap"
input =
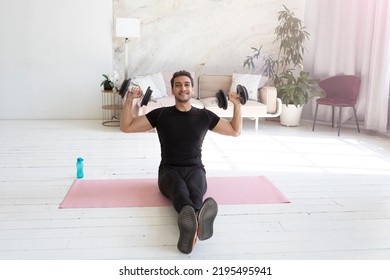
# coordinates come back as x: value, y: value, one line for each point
x: 80, y: 159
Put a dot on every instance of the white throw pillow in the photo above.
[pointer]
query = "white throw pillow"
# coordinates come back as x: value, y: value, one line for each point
x: 251, y: 82
x: 155, y: 81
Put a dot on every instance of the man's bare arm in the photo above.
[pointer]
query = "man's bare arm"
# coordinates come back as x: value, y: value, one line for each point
x: 128, y: 122
x: 234, y: 126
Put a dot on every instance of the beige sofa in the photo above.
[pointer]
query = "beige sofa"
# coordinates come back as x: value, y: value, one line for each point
x: 266, y: 105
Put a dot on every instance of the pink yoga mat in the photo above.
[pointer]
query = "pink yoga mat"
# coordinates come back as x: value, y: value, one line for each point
x: 145, y: 193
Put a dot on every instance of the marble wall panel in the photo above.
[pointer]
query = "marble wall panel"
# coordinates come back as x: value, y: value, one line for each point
x: 205, y: 36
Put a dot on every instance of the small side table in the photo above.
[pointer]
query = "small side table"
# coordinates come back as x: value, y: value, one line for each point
x: 111, y: 108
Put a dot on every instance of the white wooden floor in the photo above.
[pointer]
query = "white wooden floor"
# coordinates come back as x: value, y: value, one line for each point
x: 339, y: 189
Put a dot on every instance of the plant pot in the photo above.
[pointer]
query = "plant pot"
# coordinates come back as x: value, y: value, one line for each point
x: 107, y: 86
x: 290, y: 115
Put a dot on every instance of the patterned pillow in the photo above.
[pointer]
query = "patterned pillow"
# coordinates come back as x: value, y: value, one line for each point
x: 251, y: 82
x: 155, y: 81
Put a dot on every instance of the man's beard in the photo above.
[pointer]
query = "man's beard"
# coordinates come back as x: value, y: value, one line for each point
x: 181, y: 100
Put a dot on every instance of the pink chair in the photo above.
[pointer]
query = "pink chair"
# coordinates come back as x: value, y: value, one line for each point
x: 341, y: 91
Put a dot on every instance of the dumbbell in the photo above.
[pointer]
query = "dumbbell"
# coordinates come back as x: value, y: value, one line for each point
x: 125, y: 87
x: 222, y: 100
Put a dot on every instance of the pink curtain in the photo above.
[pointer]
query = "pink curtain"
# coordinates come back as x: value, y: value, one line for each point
x: 352, y: 37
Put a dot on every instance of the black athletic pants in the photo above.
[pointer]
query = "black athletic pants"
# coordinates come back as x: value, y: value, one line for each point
x: 183, y: 185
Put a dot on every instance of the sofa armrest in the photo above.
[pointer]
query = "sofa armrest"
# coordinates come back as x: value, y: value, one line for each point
x: 278, y: 109
x: 268, y: 96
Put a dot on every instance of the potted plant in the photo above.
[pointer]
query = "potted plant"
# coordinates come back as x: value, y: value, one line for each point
x: 294, y: 90
x: 108, y: 82
x: 286, y: 71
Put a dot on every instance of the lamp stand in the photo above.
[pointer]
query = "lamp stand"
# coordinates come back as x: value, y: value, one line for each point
x: 126, y: 59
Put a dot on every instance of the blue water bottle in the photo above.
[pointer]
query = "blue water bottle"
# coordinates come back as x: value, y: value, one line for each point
x: 80, y: 168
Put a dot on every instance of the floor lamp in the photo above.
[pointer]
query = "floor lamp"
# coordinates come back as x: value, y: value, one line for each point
x: 127, y: 28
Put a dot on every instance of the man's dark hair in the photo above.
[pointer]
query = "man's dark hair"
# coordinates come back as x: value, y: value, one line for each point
x: 182, y: 73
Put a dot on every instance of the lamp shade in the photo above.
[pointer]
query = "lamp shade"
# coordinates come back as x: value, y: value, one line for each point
x: 127, y: 27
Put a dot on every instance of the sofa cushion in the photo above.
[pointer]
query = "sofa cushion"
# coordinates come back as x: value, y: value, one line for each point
x: 197, y: 103
x: 210, y: 84
x: 251, y: 82
x: 155, y: 81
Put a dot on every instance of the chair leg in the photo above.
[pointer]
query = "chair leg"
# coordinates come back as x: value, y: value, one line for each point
x: 315, y: 117
x: 357, y: 122
x: 339, y: 122
x: 332, y: 116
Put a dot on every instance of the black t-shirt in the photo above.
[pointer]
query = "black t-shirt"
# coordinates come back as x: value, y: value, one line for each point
x: 181, y: 134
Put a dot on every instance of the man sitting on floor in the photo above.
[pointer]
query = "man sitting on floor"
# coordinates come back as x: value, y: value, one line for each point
x: 182, y: 177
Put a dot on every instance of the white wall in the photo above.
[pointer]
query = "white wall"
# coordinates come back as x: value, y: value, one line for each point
x: 53, y: 54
